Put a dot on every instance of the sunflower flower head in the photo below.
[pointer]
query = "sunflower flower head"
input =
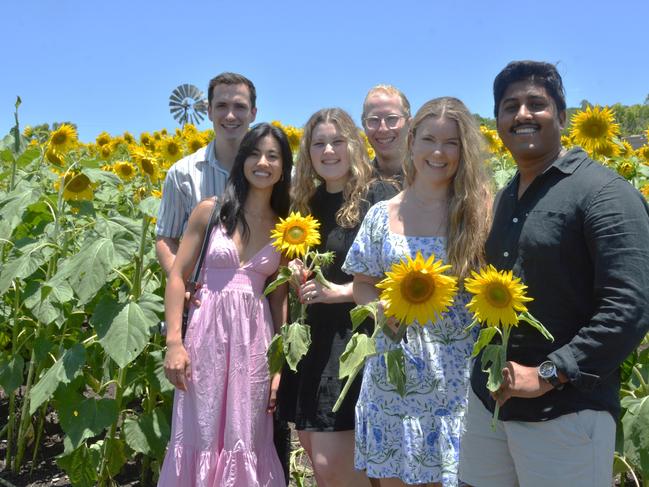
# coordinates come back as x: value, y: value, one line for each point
x: 76, y: 187
x: 103, y: 138
x: 54, y: 157
x: 63, y: 138
x: 643, y: 154
x: 170, y: 149
x: 593, y: 127
x: 295, y: 234
x: 124, y: 169
x: 626, y: 168
x: 417, y: 289
x: 494, y: 143
x: 498, y: 297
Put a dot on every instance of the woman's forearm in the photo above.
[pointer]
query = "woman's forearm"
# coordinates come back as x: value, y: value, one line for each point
x: 364, y: 291
x: 174, y: 304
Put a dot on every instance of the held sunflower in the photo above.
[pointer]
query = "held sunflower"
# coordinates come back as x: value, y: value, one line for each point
x: 294, y: 235
x: 498, y: 297
x: 417, y: 289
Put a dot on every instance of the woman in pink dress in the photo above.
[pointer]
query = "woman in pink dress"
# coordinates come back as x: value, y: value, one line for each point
x: 222, y: 433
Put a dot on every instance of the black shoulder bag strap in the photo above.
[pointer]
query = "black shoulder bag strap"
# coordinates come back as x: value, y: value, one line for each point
x: 191, y: 284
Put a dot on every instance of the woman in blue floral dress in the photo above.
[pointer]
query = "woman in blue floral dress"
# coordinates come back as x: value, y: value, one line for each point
x: 445, y: 211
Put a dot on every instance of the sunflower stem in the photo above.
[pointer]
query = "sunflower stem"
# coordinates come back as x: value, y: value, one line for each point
x: 16, y: 131
x: 503, y: 360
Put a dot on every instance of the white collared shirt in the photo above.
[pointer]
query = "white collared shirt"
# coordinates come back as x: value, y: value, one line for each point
x: 188, y: 182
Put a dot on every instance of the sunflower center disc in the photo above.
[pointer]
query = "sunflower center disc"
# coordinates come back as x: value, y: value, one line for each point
x: 498, y: 296
x: 417, y: 288
x: 59, y: 139
x: 295, y: 235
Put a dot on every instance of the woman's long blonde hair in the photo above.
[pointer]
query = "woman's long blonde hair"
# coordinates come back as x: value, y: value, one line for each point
x: 307, y: 180
x: 470, y: 198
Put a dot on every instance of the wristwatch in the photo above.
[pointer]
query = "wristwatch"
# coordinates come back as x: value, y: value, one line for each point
x: 548, y: 372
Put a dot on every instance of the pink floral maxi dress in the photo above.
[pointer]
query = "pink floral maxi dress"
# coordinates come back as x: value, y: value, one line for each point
x: 221, y: 434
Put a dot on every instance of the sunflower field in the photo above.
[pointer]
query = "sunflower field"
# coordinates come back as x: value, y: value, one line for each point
x: 81, y: 294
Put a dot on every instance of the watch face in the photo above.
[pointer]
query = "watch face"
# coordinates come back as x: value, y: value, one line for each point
x: 547, y: 370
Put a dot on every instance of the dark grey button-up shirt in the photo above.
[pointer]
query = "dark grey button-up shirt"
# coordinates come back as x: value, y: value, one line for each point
x: 579, y: 239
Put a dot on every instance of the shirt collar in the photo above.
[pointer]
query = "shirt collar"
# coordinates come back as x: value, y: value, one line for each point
x: 210, y: 157
x: 567, y: 164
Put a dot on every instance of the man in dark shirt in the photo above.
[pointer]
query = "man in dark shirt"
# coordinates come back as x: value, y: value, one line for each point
x: 578, y: 236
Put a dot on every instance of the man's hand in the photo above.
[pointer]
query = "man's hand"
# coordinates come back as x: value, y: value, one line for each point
x: 520, y: 381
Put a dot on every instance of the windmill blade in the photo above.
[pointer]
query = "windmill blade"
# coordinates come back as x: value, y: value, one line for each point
x: 175, y: 95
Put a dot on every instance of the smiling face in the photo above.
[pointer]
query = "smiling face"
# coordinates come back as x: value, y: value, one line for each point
x: 330, y: 156
x: 230, y: 111
x: 436, y: 151
x: 263, y: 167
x: 529, y: 123
x: 388, y: 139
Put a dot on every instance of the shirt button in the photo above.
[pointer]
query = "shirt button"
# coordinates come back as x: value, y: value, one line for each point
x: 515, y: 220
x: 506, y: 254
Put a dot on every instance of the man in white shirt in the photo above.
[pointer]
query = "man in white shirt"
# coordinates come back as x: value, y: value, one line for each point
x: 231, y: 108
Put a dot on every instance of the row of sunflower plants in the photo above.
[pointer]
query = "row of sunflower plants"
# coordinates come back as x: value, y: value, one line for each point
x: 80, y: 293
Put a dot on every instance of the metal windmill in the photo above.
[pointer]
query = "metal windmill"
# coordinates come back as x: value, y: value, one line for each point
x: 187, y: 104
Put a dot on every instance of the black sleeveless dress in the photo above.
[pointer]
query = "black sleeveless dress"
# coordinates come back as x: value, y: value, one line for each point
x: 307, y: 397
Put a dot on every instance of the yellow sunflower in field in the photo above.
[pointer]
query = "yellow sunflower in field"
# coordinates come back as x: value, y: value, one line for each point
x: 494, y: 144
x: 103, y: 138
x: 417, y: 290
x: 170, y: 149
x: 498, y: 297
x: 195, y: 142
x: 645, y: 190
x: 55, y: 158
x: 77, y: 187
x: 593, y: 127
x: 147, y: 163
x: 63, y: 138
x: 627, y: 149
x: 294, y: 235
x: 643, y: 154
x: 156, y: 193
x: 626, y: 169
x: 146, y: 140
x: 567, y: 142
x: 124, y: 169
x: 105, y: 151
x: 607, y: 150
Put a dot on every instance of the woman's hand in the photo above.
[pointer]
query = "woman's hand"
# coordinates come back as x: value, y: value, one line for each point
x: 272, y: 395
x: 313, y: 291
x: 177, y: 366
x: 392, y: 322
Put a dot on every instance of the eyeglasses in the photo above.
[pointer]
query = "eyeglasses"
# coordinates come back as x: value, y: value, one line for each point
x: 391, y: 121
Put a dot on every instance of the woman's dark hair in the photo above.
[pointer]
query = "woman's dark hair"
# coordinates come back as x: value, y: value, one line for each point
x: 539, y: 73
x: 236, y: 191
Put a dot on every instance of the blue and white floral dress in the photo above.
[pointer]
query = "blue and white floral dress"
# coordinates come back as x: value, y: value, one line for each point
x: 417, y: 437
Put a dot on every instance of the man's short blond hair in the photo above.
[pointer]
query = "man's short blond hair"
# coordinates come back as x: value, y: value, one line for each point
x: 388, y: 90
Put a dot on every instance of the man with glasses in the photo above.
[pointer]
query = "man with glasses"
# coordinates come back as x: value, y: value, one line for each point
x: 386, y: 113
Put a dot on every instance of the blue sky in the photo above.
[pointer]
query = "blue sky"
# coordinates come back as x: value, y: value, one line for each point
x: 112, y: 65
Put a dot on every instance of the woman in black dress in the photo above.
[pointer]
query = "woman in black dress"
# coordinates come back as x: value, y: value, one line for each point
x: 333, y: 183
